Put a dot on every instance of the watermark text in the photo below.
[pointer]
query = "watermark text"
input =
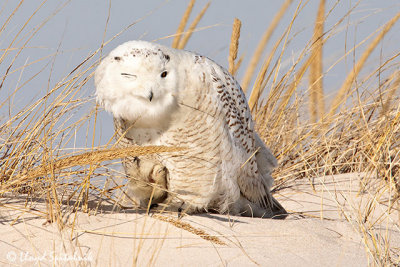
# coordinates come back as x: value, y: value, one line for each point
x: 47, y: 256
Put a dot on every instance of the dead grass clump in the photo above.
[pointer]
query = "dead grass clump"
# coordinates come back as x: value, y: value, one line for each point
x: 360, y: 132
x: 343, y: 92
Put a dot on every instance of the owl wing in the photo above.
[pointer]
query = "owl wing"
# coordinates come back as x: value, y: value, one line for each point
x: 254, y: 179
x: 266, y: 161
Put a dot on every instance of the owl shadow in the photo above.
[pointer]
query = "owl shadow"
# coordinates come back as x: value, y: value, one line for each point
x: 95, y: 204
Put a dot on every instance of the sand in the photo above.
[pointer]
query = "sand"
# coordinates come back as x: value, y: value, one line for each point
x: 325, y: 228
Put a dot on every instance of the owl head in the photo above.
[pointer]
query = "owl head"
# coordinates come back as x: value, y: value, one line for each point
x: 138, y: 82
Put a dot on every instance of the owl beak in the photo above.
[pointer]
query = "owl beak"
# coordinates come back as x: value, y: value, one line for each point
x: 151, y: 96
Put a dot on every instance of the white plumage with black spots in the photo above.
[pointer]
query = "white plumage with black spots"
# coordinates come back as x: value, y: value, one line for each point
x: 164, y: 96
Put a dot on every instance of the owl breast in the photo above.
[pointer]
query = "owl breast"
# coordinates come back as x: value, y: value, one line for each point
x: 203, y: 174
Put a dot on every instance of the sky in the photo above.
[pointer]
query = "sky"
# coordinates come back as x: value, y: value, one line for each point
x: 73, y: 29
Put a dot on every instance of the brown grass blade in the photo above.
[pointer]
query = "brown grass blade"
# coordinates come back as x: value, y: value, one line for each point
x: 182, y: 24
x: 91, y: 158
x: 341, y: 96
x: 258, y: 85
x: 234, y: 45
x: 187, y: 227
x: 392, y: 91
x: 192, y: 27
x: 292, y: 88
x: 316, y: 103
x: 262, y: 44
x: 260, y: 81
x: 238, y: 64
x: 9, y: 18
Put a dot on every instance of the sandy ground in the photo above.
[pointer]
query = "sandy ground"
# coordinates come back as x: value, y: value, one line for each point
x: 323, y: 229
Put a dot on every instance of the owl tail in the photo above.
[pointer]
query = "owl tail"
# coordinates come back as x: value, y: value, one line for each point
x: 268, y: 202
x: 278, y: 212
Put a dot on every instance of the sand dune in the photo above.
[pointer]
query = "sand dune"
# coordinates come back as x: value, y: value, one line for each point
x: 324, y: 228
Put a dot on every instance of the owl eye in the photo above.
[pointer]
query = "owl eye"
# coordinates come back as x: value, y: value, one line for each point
x: 164, y: 74
x: 128, y: 75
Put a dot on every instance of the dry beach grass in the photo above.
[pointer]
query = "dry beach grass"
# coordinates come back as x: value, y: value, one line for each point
x: 313, y: 135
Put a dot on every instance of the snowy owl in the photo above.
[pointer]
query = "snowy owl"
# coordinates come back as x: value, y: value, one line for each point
x: 164, y: 96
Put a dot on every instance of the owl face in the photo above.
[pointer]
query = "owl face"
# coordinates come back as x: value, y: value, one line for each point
x: 138, y: 82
